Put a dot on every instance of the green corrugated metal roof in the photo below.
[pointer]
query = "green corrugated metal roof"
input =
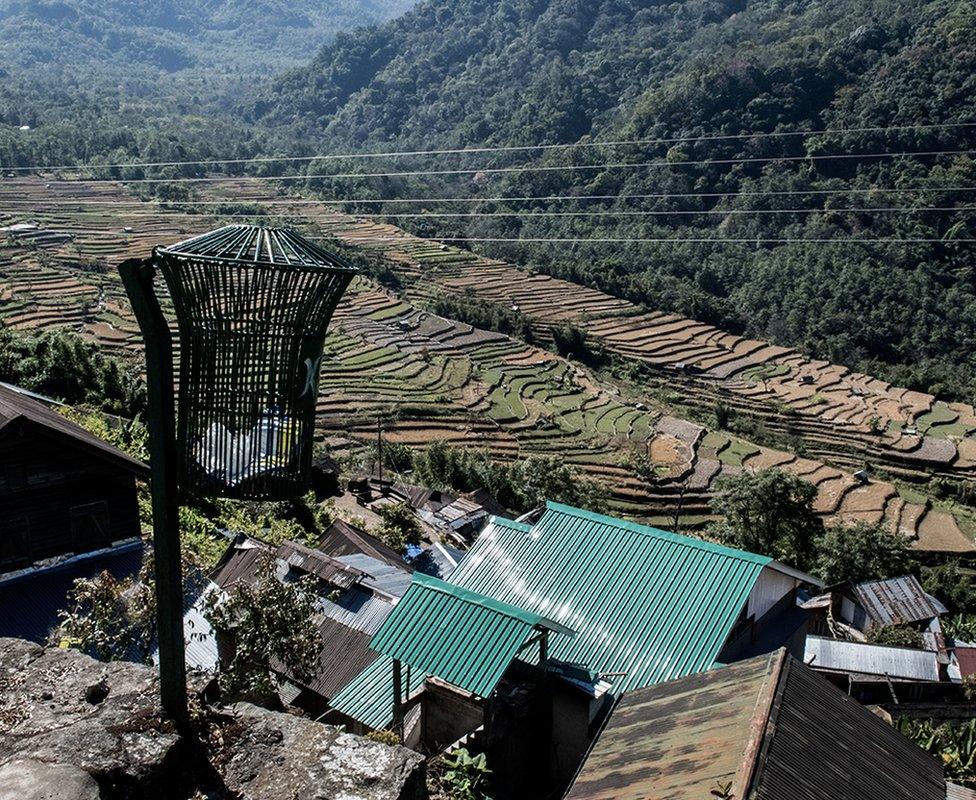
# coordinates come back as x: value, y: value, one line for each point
x: 368, y: 698
x: 644, y: 602
x: 461, y: 636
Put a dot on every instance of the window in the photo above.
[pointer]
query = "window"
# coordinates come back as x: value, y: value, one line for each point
x: 14, y: 544
x: 89, y: 527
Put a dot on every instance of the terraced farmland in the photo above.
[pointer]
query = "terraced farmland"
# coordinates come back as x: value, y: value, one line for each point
x: 435, y: 378
x: 843, y: 417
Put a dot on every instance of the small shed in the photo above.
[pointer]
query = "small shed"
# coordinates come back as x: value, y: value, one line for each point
x: 63, y: 491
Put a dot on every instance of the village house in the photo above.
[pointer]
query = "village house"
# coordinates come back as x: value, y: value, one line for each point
x: 63, y: 491
x: 766, y: 728
x: 852, y: 610
x: 550, y: 622
x: 359, y: 580
x: 68, y: 510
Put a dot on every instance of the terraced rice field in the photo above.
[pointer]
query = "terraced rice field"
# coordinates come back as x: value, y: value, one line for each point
x: 435, y: 378
x: 843, y: 417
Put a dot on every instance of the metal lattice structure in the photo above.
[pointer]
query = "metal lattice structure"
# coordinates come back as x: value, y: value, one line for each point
x: 252, y: 306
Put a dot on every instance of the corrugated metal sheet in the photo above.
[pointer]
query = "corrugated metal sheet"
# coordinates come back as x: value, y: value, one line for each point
x: 368, y: 698
x: 345, y: 653
x: 389, y: 579
x: 966, y: 659
x: 870, y: 659
x: 770, y: 726
x: 822, y: 744
x: 460, y: 636
x: 646, y: 604
x: 314, y: 562
x: 677, y: 740
x: 896, y: 601
x: 239, y: 563
x: 343, y: 539
x: 357, y: 609
x: 956, y: 792
x: 30, y: 602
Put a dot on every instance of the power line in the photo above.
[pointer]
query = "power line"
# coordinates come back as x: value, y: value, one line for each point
x: 646, y: 240
x: 520, y: 169
x: 502, y: 148
x: 627, y: 212
x: 300, y: 201
x: 399, y: 238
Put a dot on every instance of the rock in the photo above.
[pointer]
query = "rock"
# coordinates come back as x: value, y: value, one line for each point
x: 35, y: 780
x: 58, y: 706
x: 73, y: 728
x: 275, y: 756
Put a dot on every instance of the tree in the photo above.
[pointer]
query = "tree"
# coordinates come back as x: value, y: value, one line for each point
x: 400, y: 526
x: 270, y: 624
x: 769, y: 512
x: 540, y: 478
x: 861, y: 552
x: 896, y: 636
x: 111, y: 619
x: 952, y: 585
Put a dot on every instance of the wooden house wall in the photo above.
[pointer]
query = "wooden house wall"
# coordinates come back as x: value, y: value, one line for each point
x: 57, y: 498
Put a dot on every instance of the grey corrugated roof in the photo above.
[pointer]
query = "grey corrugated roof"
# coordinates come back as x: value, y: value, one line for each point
x: 956, y: 792
x: 357, y: 609
x: 896, y: 601
x: 769, y: 725
x: 379, y: 575
x: 871, y: 659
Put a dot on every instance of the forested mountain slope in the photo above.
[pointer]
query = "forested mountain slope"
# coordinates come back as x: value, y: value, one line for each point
x: 453, y: 73
x: 141, y: 38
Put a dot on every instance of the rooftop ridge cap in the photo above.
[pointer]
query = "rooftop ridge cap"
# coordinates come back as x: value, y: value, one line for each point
x: 768, y: 705
x: 651, y: 532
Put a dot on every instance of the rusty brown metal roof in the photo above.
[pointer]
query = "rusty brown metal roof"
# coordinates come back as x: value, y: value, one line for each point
x: 769, y: 726
x: 345, y: 653
x: 896, y: 601
x: 343, y: 539
x: 19, y: 408
x: 239, y: 563
x: 314, y: 562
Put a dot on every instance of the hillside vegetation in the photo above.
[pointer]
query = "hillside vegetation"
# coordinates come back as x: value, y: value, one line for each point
x: 525, y: 72
x: 142, y: 38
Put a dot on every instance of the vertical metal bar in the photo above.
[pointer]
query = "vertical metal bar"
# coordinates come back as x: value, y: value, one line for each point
x: 137, y: 277
x: 397, y: 700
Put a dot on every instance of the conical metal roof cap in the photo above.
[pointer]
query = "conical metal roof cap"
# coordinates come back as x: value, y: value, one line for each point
x: 256, y: 244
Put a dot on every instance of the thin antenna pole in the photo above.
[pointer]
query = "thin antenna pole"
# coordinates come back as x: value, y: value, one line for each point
x: 379, y: 445
x: 137, y: 277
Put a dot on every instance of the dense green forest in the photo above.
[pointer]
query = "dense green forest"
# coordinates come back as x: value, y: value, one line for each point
x: 143, y: 38
x: 520, y: 73
x: 471, y: 72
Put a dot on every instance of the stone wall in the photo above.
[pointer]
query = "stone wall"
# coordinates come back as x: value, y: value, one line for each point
x: 74, y: 728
